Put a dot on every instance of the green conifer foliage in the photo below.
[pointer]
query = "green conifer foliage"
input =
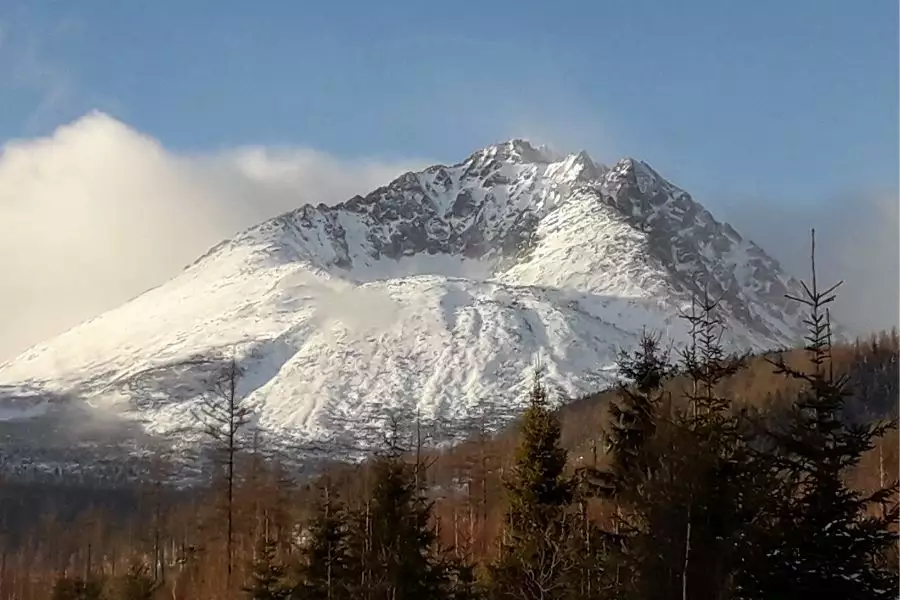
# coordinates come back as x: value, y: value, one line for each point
x: 822, y: 538
x: 537, y: 555
x: 268, y: 575
x: 76, y: 588
x: 326, y: 572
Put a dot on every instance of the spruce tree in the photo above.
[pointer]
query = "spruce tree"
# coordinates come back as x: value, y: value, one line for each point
x: 392, y: 547
x: 676, y: 473
x: 822, y: 539
x: 637, y: 445
x: 461, y: 580
x: 721, y: 481
x: 326, y: 572
x: 656, y: 517
x: 705, y: 362
x: 635, y: 414
x: 76, y: 588
x: 268, y: 578
x: 136, y: 584
x: 537, y: 558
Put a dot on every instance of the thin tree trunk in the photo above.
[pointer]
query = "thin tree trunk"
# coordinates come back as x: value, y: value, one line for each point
x: 881, y: 475
x: 470, y: 517
x: 231, y: 451
x: 156, y: 536
x: 328, y: 570
x: 616, y: 531
x: 687, y: 556
x: 586, y: 570
x: 418, y: 451
x: 229, y: 542
x: 484, y: 491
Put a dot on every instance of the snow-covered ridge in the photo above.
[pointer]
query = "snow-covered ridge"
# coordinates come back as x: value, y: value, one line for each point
x: 435, y: 292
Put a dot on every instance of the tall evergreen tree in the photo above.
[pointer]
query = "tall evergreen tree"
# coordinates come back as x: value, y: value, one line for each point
x: 635, y: 414
x: 636, y: 446
x: 706, y: 364
x: 722, y: 481
x: 822, y: 539
x: 268, y: 576
x: 393, y: 545
x: 537, y: 560
x: 326, y: 572
x: 676, y: 472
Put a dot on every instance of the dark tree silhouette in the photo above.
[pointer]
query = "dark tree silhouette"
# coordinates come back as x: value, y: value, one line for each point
x: 223, y: 416
x: 537, y: 561
x: 822, y: 538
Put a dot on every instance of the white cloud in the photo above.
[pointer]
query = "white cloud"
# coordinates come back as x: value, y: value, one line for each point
x: 97, y: 213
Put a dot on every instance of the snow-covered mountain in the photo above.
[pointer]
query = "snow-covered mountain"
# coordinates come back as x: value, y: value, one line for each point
x: 436, y: 293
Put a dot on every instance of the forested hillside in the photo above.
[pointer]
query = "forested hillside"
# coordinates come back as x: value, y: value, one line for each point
x: 702, y: 475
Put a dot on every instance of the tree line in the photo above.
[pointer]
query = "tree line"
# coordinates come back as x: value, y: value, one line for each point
x: 684, y: 492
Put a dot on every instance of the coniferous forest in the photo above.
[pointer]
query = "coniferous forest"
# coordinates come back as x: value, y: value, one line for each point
x: 701, y: 475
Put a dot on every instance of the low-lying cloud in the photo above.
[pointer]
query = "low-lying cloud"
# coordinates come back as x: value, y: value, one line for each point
x: 97, y: 213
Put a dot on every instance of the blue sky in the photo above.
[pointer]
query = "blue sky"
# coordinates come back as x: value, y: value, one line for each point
x: 787, y: 101
x: 759, y: 109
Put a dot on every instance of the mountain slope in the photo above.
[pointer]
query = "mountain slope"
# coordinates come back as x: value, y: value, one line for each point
x: 434, y: 293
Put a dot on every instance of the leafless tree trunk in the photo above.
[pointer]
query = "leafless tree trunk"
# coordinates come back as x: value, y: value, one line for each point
x: 330, y: 557
x: 687, y: 557
x: 157, y: 475
x: 223, y: 416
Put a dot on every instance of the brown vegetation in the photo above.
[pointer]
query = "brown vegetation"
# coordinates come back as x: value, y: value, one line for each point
x: 61, y: 528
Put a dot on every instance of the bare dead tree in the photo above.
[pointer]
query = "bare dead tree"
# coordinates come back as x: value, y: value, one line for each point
x: 222, y: 415
x: 158, y: 471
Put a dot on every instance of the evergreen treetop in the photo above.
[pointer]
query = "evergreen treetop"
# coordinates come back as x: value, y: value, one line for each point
x: 823, y: 538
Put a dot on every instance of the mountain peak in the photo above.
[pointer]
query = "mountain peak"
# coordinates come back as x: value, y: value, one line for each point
x: 449, y: 280
x: 517, y: 150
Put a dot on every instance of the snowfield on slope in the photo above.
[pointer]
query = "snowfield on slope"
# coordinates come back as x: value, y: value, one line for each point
x: 435, y: 294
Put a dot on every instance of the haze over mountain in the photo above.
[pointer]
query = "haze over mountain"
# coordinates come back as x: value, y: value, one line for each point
x: 435, y: 294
